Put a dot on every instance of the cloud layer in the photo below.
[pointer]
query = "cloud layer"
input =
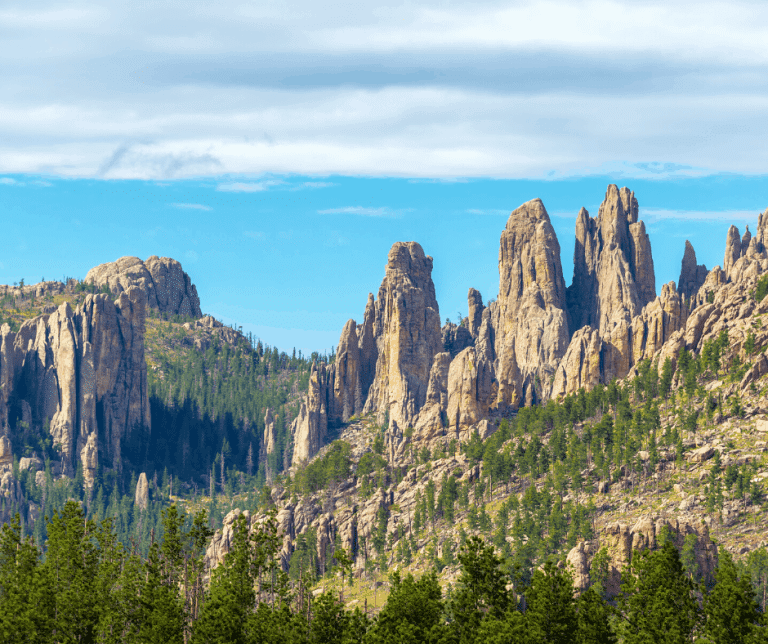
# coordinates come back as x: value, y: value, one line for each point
x: 545, y: 88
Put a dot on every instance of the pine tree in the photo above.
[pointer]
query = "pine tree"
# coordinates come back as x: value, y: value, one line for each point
x: 657, y: 599
x: 731, y: 613
x: 231, y: 598
x: 71, y: 570
x: 551, y: 613
x: 593, y: 619
x: 25, y: 597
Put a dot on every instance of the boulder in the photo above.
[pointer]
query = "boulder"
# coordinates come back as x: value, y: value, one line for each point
x: 469, y: 389
x: 475, y: 314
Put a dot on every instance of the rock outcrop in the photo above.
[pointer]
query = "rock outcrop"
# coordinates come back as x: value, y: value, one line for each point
x: 141, y: 497
x: 432, y: 417
x: 310, y: 427
x: 167, y: 287
x: 83, y: 373
x: 692, y: 275
x: 456, y: 338
x: 613, y: 274
x: 407, y: 332
x: 470, y: 379
x: 475, y: 315
x: 622, y: 541
x: 529, y: 318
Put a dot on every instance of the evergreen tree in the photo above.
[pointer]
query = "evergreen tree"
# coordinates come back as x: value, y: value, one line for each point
x: 412, y: 614
x: 657, y: 599
x: 594, y: 619
x: 231, y: 597
x: 482, y: 589
x: 551, y: 613
x: 731, y: 613
x: 25, y: 598
x: 71, y: 571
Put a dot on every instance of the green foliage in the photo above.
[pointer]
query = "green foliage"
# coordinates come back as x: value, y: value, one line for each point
x: 334, y: 465
x: 761, y: 290
x: 657, y: 599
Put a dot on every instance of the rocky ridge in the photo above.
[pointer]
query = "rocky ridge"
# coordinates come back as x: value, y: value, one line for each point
x: 538, y: 340
x: 165, y: 284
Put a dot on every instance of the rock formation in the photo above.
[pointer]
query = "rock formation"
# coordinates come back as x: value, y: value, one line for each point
x: 167, y: 287
x: 456, y: 338
x: 692, y: 275
x: 475, y: 308
x: 622, y: 541
x: 310, y: 427
x: 613, y: 274
x: 469, y: 389
x: 407, y: 332
x: 141, y: 498
x: 432, y: 417
x: 83, y: 372
x: 529, y: 318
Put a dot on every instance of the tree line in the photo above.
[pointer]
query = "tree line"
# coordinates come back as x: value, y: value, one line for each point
x: 90, y: 588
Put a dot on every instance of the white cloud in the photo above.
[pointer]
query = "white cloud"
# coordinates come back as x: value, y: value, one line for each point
x: 259, y: 186
x: 255, y: 234
x: 8, y: 181
x: 651, y: 215
x: 191, y: 206
x: 431, y: 90
x: 360, y: 210
x: 489, y: 211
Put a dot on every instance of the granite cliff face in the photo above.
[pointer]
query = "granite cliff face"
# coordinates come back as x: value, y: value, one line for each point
x: 529, y: 317
x: 83, y: 374
x: 407, y: 332
x: 166, y: 286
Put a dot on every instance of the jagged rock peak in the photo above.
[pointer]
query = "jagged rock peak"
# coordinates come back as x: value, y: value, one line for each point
x: 530, y: 322
x: 167, y: 287
x: 692, y: 275
x: 475, y: 315
x: 407, y: 332
x: 530, y: 253
x: 612, y: 263
x: 732, y: 249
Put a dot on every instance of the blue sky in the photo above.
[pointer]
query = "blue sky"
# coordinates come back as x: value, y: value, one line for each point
x: 278, y: 149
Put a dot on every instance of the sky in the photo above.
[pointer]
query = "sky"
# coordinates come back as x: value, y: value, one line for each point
x: 278, y: 149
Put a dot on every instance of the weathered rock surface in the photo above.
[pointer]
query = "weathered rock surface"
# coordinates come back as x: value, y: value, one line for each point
x: 141, y: 497
x: 432, y: 417
x: 621, y: 541
x: 530, y: 321
x: 469, y: 389
x: 310, y: 427
x: 83, y: 372
x: 475, y: 315
x: 692, y: 275
x: 407, y: 332
x: 167, y: 287
x: 613, y: 274
x: 456, y: 338
x: 581, y: 364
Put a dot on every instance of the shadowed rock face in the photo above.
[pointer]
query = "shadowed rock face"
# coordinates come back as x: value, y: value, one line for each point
x: 84, y: 373
x: 612, y: 264
x: 692, y: 275
x: 167, y: 287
